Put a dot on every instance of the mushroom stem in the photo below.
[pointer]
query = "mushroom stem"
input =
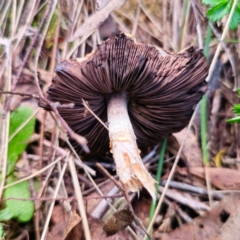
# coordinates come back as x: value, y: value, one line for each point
x: 129, y: 165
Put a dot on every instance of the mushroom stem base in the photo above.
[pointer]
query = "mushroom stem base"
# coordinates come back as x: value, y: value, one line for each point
x: 123, y: 145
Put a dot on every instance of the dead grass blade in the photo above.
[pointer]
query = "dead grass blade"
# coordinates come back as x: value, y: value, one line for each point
x: 60, y: 179
x: 95, y: 20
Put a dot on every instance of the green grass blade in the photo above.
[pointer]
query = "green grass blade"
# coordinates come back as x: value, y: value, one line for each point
x: 158, y: 176
x: 204, y: 105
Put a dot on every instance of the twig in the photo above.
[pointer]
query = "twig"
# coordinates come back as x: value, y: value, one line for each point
x: 81, y: 140
x: 185, y: 199
x: 63, y: 198
x: 90, y: 110
x: 155, y: 23
x: 55, y: 44
x: 135, y: 24
x: 26, y: 57
x: 185, y: 23
x: 34, y: 174
x: 40, y: 179
x: 216, y: 55
x: 78, y: 193
x: 175, y: 25
x: 164, y: 24
x: 4, y: 12
x: 223, y: 44
x: 54, y: 105
x: 106, y: 173
x: 5, y: 125
x: 198, y: 26
x: 52, y: 7
x: 36, y: 96
x: 45, y: 228
x: 200, y: 42
x: 136, y: 220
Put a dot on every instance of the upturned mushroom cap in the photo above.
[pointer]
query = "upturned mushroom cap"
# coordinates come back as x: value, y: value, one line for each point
x: 162, y: 89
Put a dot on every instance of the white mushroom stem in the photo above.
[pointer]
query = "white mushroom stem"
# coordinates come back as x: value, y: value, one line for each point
x: 129, y: 165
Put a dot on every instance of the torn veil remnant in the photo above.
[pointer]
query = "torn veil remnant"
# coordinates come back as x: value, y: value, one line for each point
x: 144, y: 93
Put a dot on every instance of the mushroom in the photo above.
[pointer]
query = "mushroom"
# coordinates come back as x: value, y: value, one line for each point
x: 143, y: 92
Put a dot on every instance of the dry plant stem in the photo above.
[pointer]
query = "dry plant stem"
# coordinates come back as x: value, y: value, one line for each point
x: 175, y: 25
x: 44, y: 232
x: 170, y: 175
x: 81, y: 140
x: 21, y: 94
x: 103, y: 204
x: 48, y: 17
x: 135, y: 24
x: 92, y: 22
x: 19, y: 12
x: 200, y: 43
x: 4, y: 12
x: 23, y: 28
x: 131, y: 18
x: 106, y: 173
x: 13, y: 17
x: 90, y: 110
x: 148, y: 14
x: 185, y: 28
x: 34, y: 174
x: 226, y: 49
x: 219, y: 47
x: 199, y: 30
x: 77, y: 43
x: 164, y: 24
x: 125, y: 194
x: 129, y: 165
x: 36, y: 199
x: 5, y: 126
x: 79, y: 197
x: 135, y: 218
x: 55, y: 45
x: 40, y: 179
x: 223, y: 44
x: 26, y: 57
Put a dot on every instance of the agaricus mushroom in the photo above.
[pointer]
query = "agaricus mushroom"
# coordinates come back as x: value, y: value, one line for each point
x: 144, y: 94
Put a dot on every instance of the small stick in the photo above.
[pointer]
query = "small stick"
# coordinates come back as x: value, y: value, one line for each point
x: 54, y: 105
x: 135, y: 218
x: 26, y: 57
x: 90, y: 110
x: 81, y: 140
x: 62, y: 198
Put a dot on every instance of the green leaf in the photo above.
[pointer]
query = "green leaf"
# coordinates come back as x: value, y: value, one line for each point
x: 19, y: 142
x: 217, y: 12
x: 234, y: 120
x: 20, y: 209
x: 2, y: 233
x: 235, y: 18
x: 236, y: 108
x: 6, y: 214
x: 213, y: 2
